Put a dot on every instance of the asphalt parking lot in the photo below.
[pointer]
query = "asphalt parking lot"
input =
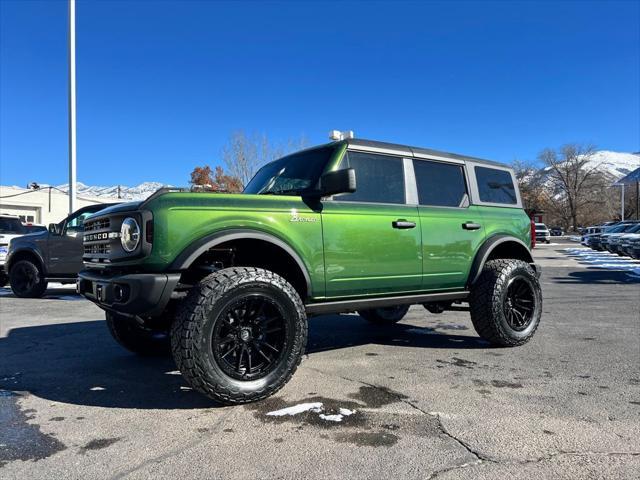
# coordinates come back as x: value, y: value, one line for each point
x: 424, y: 399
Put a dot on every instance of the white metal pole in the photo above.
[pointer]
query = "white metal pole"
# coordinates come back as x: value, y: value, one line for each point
x: 622, y: 202
x: 72, y: 106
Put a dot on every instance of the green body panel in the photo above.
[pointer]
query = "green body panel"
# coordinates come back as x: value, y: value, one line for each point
x: 513, y: 222
x: 448, y: 249
x: 181, y: 219
x: 365, y: 255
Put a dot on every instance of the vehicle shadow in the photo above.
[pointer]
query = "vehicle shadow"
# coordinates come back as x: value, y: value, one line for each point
x: 79, y: 363
x: 597, y: 276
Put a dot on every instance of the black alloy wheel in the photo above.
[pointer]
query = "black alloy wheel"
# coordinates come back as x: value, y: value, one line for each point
x: 249, y: 341
x: 27, y: 280
x: 519, y: 303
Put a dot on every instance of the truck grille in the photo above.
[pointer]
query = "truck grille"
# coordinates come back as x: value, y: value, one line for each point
x: 100, y: 224
x: 97, y: 249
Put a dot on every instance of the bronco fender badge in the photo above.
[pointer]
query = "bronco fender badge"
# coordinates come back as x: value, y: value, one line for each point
x: 297, y: 218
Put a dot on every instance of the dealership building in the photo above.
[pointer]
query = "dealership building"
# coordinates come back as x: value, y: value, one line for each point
x: 42, y: 205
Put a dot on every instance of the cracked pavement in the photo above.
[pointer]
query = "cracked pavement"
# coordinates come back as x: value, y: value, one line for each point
x: 429, y: 398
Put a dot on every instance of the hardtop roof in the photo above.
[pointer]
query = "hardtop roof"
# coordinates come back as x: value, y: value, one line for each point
x: 419, y: 150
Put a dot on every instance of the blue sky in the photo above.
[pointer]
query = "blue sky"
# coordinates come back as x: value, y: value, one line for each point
x: 161, y: 85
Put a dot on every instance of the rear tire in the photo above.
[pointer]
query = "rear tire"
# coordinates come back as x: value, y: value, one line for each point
x: 239, y: 335
x: 506, y: 302
x: 136, y: 338
x: 27, y: 280
x: 385, y: 315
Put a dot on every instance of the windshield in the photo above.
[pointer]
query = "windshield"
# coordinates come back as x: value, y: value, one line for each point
x: 291, y: 175
x: 615, y: 229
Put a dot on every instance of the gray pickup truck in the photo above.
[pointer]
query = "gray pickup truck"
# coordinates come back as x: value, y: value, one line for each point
x: 35, y: 259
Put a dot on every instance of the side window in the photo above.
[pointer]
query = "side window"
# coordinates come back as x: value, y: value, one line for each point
x: 76, y: 224
x: 379, y: 178
x: 440, y: 184
x: 495, y: 186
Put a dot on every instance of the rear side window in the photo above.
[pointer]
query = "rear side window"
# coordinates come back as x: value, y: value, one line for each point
x: 440, y: 184
x: 379, y: 178
x: 495, y: 186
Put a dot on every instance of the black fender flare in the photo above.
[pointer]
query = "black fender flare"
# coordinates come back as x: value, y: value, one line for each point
x: 30, y: 250
x: 197, y: 248
x: 489, y: 246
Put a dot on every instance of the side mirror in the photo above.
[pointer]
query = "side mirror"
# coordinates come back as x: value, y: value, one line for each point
x: 340, y: 181
x: 54, y: 229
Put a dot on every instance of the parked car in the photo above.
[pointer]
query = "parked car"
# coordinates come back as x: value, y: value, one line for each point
x: 599, y: 241
x: 542, y: 233
x: 343, y: 227
x: 614, y: 240
x: 10, y: 227
x: 634, y: 248
x: 556, y: 231
x: 627, y: 244
x: 588, y: 233
x: 55, y: 254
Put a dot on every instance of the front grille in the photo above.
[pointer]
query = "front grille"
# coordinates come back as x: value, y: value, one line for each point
x: 97, y: 249
x: 99, y: 224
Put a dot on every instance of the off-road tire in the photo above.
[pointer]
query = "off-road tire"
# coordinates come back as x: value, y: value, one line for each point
x: 136, y: 338
x: 385, y: 316
x: 191, y: 333
x: 23, y: 288
x: 488, y: 297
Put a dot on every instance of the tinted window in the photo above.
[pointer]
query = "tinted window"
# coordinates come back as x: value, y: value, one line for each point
x: 495, y: 186
x: 379, y: 178
x: 440, y: 184
x: 11, y: 225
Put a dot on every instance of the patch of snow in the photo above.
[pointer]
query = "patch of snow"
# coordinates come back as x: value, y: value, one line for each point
x: 605, y: 260
x: 315, y: 407
x: 346, y: 412
x: 173, y: 372
x: 186, y: 389
x: 97, y: 389
x: 331, y: 418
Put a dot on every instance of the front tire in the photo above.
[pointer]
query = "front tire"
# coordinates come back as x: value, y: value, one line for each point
x: 239, y: 335
x: 27, y: 280
x: 134, y: 337
x: 506, y: 303
x: 385, y: 315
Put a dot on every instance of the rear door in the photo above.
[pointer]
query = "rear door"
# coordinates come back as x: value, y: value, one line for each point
x: 372, y: 238
x: 452, y: 229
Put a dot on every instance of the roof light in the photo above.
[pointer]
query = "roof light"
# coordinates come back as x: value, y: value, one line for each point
x: 338, y: 135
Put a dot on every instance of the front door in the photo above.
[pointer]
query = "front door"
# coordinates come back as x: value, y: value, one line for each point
x: 372, y: 238
x: 65, y: 250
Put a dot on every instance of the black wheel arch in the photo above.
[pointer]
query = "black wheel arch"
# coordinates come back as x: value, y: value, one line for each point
x: 190, y: 254
x: 27, y: 253
x: 499, y: 246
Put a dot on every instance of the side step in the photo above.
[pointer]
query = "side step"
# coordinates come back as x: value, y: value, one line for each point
x: 342, y: 306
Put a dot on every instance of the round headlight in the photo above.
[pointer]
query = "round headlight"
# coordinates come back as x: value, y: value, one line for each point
x: 129, y: 234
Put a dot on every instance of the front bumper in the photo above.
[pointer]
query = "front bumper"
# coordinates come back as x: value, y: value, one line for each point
x: 143, y: 294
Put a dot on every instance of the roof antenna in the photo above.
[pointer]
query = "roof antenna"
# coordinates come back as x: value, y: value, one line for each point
x: 337, y: 135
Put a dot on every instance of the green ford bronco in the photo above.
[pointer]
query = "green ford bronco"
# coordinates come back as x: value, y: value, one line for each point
x: 226, y: 281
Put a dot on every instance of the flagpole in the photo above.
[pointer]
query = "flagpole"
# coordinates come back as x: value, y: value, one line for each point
x: 72, y: 106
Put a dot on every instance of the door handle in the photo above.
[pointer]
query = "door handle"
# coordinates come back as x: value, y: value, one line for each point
x: 471, y: 226
x: 402, y: 224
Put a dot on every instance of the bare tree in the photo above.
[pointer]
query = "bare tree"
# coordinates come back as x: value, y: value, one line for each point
x: 575, y: 179
x: 245, y: 154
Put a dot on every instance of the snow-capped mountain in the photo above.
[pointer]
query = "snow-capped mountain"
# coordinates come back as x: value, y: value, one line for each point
x: 615, y: 164
x: 139, y: 192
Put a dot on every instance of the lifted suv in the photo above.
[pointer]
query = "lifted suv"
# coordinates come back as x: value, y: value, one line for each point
x: 226, y: 281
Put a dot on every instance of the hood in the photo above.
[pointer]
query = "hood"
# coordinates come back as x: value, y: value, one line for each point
x: 120, y: 207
